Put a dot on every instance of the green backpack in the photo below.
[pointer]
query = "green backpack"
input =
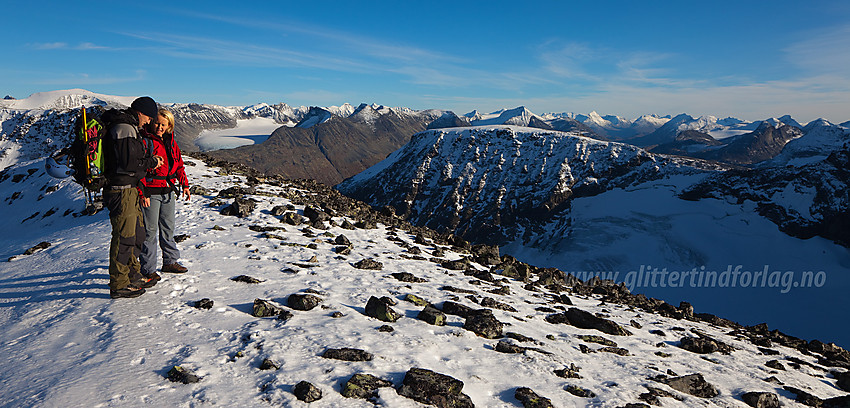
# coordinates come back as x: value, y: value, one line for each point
x: 87, y: 150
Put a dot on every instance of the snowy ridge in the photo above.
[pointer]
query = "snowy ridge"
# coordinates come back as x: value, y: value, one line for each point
x: 496, y: 173
x: 63, y: 338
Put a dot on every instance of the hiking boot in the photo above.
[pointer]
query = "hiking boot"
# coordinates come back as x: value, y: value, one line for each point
x: 128, y: 292
x: 174, y: 268
x: 147, y: 281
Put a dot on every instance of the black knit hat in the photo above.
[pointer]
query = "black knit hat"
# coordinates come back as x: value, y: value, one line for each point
x: 146, y: 106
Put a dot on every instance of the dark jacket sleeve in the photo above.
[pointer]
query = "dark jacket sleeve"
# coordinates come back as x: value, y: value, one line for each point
x: 129, y: 157
x: 132, y: 157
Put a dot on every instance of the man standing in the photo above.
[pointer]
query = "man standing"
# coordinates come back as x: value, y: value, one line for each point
x: 127, y: 160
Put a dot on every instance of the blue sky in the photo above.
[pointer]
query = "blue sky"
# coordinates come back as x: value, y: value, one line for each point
x: 748, y: 59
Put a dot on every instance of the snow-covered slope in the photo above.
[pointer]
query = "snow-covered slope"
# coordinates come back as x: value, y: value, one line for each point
x: 65, y: 343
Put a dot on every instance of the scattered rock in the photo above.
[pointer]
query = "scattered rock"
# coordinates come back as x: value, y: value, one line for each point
x: 504, y: 346
x: 386, y: 329
x: 569, y: 372
x: 761, y: 399
x: 432, y: 315
x: 429, y: 387
x: 37, y: 247
x: 285, y: 315
x: 264, y: 308
x: 278, y: 210
x: 615, y: 350
x: 269, y: 364
x: 370, y: 264
x: 492, y: 303
x: 380, y: 310
x: 241, y: 207
x: 342, y: 240
x: 363, y: 386
x: 775, y: 364
x: 590, y: 338
x: 348, y: 354
x: 518, y: 337
x: 303, y: 301
x: 416, y: 300
x: 804, y: 397
x: 343, y: 250
x: 236, y: 191
x: 693, y: 384
x: 245, y: 279
x: 457, y: 309
x: 181, y: 237
x: 580, y: 392
x: 483, y: 323
x: 705, y: 345
x: 292, y: 218
x: 307, y: 392
x: 456, y: 265
x: 407, y: 277
x: 316, y: 214
x: 586, y: 320
x: 530, y: 399
x: 204, y: 303
x: 653, y: 396
x: 182, y: 375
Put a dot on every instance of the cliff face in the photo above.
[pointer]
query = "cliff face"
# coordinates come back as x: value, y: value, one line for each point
x: 332, y: 150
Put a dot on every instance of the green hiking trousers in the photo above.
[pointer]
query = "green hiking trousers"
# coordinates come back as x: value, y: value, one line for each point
x: 128, y: 235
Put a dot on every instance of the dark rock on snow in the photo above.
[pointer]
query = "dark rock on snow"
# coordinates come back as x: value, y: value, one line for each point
x: 182, y: 375
x: 264, y: 308
x: 370, y: 264
x: 204, y: 303
x: 483, y: 323
x: 432, y: 315
x: 269, y: 364
x: 303, y: 301
x: 530, y: 399
x: 429, y: 387
x: 380, y: 310
x: 363, y: 386
x: 693, y: 384
x: 348, y: 354
x: 245, y: 279
x: 307, y: 392
x: 761, y: 399
x: 241, y: 207
x: 705, y: 345
x: 586, y: 320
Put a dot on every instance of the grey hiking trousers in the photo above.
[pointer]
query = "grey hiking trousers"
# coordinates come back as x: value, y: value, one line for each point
x: 160, y: 215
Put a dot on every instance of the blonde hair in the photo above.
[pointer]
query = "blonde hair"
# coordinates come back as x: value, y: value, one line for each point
x: 165, y: 113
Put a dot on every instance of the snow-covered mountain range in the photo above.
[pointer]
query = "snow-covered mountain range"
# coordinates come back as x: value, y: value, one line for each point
x: 580, y: 204
x: 307, y: 294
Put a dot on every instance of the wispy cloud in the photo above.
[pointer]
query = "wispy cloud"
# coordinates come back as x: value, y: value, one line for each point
x: 65, y: 46
x: 48, y: 46
x: 84, y: 79
x: 823, y: 51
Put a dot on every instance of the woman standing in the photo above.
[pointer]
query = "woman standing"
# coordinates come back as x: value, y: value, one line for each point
x: 162, y: 187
